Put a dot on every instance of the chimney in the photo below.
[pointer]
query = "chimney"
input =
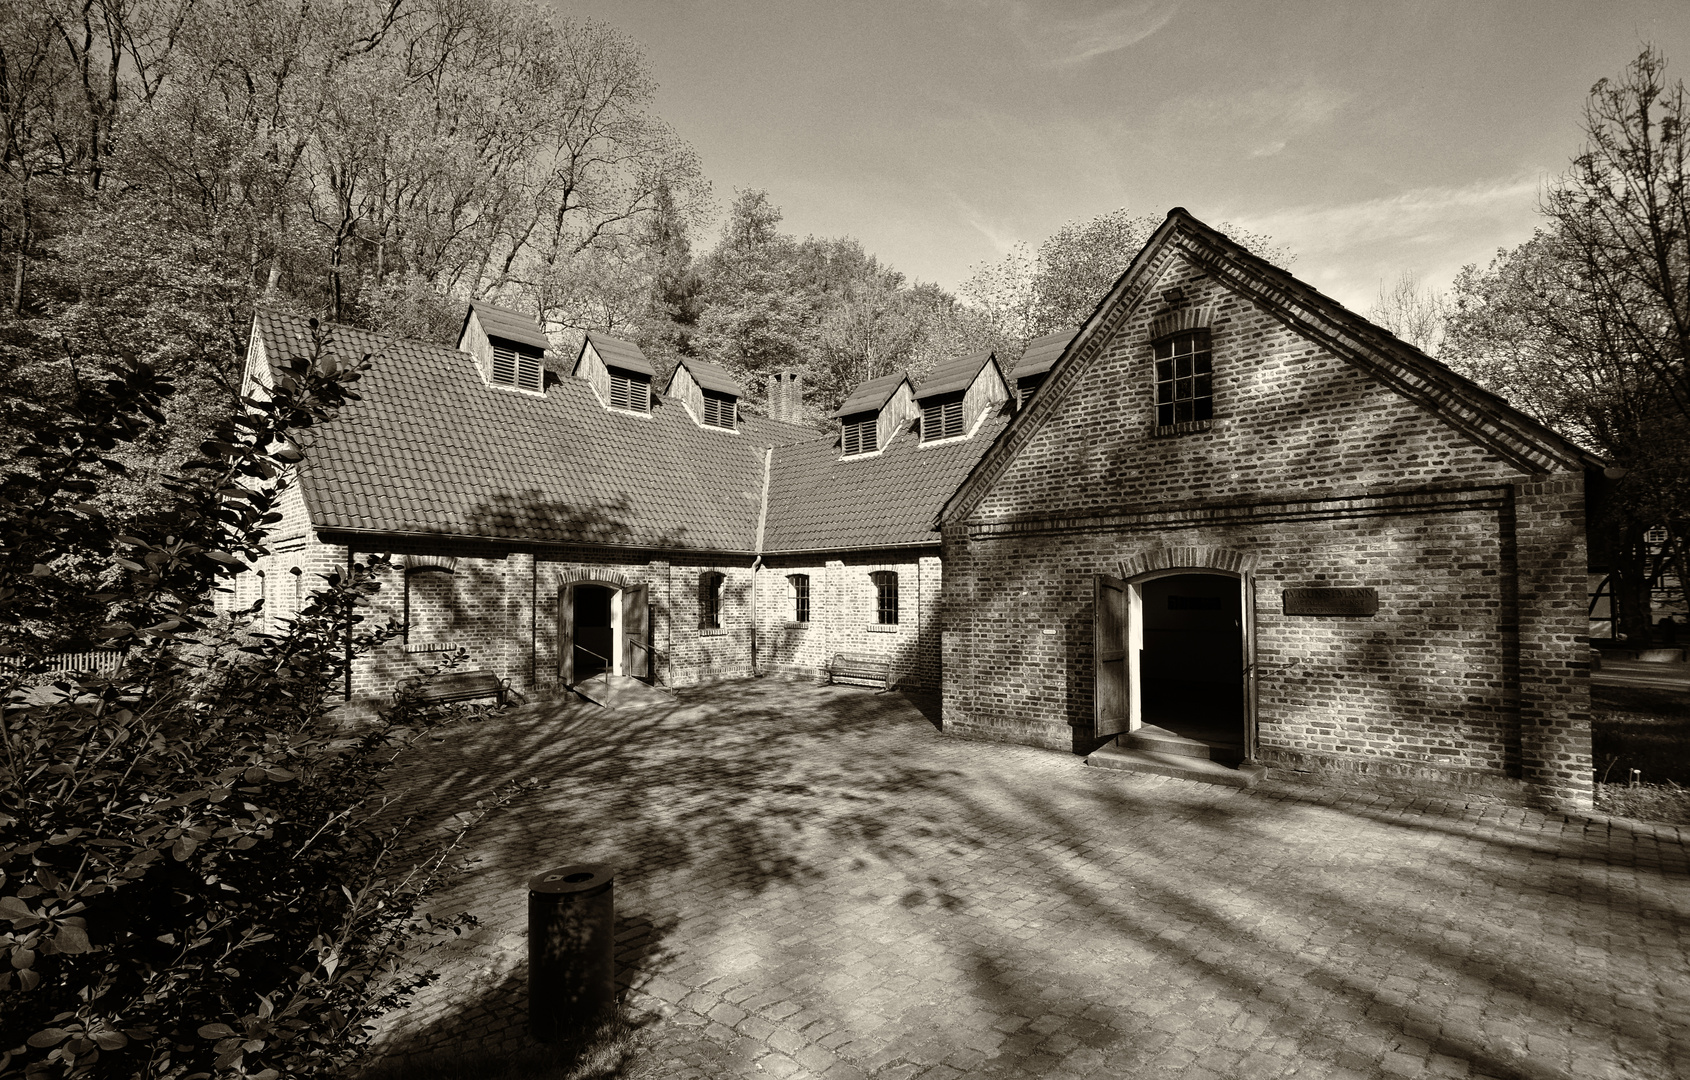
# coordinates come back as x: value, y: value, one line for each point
x: 784, y: 400
x: 794, y: 399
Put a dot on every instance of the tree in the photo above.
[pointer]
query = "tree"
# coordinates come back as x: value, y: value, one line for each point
x: 1026, y: 294
x: 1586, y: 325
x: 195, y: 871
x: 1412, y: 313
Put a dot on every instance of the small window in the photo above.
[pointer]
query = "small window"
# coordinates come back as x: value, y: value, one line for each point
x: 517, y: 367
x: 630, y: 390
x: 719, y: 409
x: 800, y: 597
x: 859, y: 434
x: 1184, y: 380
x: 941, y: 417
x: 885, y: 597
x: 710, y: 601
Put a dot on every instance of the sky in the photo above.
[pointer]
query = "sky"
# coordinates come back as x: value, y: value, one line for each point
x: 1372, y: 138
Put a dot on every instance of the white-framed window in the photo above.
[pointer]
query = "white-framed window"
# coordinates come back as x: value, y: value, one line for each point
x: 710, y: 600
x: 885, y: 597
x: 798, y: 588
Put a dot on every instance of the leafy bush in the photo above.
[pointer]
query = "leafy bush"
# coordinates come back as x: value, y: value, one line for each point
x: 192, y: 865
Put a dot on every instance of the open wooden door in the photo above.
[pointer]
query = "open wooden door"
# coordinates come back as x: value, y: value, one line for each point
x: 636, y: 631
x: 566, y: 635
x: 1113, y: 694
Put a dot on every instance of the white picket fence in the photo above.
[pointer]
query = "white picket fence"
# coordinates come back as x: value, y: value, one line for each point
x: 92, y: 660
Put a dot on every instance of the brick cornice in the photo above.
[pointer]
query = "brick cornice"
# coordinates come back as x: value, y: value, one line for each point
x: 1198, y: 515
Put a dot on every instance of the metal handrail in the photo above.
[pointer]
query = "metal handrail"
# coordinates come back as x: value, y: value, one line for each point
x: 609, y: 687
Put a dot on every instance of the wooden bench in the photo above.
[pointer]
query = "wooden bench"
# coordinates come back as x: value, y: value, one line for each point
x: 860, y: 670
x: 460, y: 686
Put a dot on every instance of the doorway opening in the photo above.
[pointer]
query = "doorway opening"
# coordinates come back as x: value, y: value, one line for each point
x: 595, y: 636
x: 1191, y: 660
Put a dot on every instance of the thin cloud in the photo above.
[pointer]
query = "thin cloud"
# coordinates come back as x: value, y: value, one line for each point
x: 1062, y: 33
x: 1347, y: 249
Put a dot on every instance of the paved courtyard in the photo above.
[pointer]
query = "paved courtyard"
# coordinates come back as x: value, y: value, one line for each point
x: 814, y: 881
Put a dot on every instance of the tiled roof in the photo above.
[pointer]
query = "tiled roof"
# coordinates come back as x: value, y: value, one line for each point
x: 1044, y: 351
x: 618, y: 353
x: 511, y: 325
x: 712, y: 376
x: 819, y: 503
x: 431, y: 449
x: 951, y: 375
x: 870, y: 396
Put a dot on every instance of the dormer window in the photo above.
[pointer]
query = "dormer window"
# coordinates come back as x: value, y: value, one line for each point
x: 942, y: 417
x: 858, y: 433
x: 719, y: 409
x: 630, y: 390
x: 707, y: 392
x: 509, y: 347
x: 518, y: 366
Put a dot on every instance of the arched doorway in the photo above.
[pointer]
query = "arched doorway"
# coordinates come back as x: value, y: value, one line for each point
x: 603, y: 627
x: 595, y: 637
x: 1173, y: 657
x: 1191, y: 660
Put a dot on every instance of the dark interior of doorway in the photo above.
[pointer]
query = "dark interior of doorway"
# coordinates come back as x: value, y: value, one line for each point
x: 1191, y: 669
x: 593, y: 634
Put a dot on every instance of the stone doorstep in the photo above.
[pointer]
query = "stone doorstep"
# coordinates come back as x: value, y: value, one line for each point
x: 1180, y: 766
x: 627, y: 692
x: 1160, y: 740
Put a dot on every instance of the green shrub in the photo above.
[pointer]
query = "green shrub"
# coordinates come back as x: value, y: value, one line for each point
x: 191, y: 866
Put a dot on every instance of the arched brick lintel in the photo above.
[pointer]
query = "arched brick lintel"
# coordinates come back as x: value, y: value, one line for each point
x: 608, y: 578
x: 1181, y: 320
x: 1192, y: 557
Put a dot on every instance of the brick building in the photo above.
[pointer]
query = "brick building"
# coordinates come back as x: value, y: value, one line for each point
x: 1225, y: 519
x: 1239, y: 515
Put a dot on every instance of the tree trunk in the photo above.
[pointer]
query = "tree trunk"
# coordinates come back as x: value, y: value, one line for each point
x: 1630, y: 585
x: 23, y: 258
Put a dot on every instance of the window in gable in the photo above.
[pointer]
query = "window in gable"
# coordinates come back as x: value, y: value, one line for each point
x: 710, y: 600
x: 941, y: 417
x: 800, y: 596
x: 1184, y: 380
x: 719, y: 409
x: 859, y: 434
x: 885, y: 597
x: 518, y: 367
x: 630, y: 390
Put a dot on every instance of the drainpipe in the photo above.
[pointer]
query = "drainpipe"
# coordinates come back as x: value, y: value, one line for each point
x: 756, y: 565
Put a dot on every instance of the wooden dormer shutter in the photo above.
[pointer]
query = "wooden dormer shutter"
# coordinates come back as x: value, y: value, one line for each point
x: 719, y: 409
x: 518, y: 367
x: 629, y: 390
x: 941, y: 417
x: 859, y: 434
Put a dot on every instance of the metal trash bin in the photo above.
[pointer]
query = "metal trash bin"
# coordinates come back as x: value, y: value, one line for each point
x: 571, y: 950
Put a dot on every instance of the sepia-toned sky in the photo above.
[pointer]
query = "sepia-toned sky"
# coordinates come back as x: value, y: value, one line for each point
x: 1372, y: 137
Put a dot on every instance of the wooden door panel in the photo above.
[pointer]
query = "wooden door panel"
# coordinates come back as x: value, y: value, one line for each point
x: 566, y: 634
x: 636, y: 628
x: 1112, y: 697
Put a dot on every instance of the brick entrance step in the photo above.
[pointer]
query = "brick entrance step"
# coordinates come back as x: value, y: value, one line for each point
x: 1151, y: 749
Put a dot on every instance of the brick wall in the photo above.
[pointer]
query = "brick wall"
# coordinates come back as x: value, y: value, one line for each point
x: 1321, y: 476
x: 843, y: 617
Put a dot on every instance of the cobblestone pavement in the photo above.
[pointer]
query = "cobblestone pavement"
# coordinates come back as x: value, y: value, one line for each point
x: 814, y: 881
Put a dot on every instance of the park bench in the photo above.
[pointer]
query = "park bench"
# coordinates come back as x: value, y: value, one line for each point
x: 860, y: 670
x: 460, y: 686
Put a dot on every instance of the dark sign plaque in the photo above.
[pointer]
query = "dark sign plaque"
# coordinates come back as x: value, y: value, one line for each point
x: 1331, y: 601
